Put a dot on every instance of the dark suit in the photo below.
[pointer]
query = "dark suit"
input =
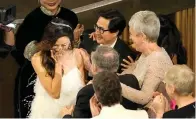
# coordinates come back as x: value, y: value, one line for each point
x: 82, y: 107
x: 121, y: 47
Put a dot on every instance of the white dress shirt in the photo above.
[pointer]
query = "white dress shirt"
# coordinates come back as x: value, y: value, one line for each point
x: 119, y: 112
x: 113, y: 44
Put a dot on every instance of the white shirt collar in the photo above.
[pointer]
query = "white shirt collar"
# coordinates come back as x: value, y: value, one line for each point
x: 106, y: 109
x: 113, y: 44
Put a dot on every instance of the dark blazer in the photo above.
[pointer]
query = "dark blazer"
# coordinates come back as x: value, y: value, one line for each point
x: 121, y: 47
x: 82, y: 107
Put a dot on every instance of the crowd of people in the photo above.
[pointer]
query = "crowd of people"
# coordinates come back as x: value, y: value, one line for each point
x: 97, y: 75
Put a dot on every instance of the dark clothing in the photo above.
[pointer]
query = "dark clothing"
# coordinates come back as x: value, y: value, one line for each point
x: 184, y: 112
x: 121, y: 47
x: 31, y: 29
x: 67, y: 116
x: 82, y: 107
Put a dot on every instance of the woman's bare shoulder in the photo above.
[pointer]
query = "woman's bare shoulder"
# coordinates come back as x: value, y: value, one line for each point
x: 78, y: 55
x: 36, y: 57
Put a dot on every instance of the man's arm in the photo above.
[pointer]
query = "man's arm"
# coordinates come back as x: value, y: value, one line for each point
x: 82, y: 107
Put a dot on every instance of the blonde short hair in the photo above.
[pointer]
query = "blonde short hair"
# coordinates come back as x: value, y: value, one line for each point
x: 182, y: 77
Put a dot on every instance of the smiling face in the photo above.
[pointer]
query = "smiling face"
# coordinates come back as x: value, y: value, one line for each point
x: 61, y: 45
x: 50, y: 5
x: 103, y: 36
x: 137, y: 39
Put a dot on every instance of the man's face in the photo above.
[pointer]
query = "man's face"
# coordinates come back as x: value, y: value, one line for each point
x: 102, y: 33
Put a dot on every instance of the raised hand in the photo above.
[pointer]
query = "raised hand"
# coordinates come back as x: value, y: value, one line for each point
x: 78, y: 31
x: 67, y: 110
x: 159, y: 104
x: 94, y: 106
x: 92, y: 36
x: 86, y: 59
x: 127, y: 63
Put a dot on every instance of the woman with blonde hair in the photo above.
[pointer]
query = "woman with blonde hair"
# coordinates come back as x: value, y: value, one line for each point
x: 180, y: 86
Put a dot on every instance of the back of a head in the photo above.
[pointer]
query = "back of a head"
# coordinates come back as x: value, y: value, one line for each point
x: 117, y: 20
x: 146, y: 22
x: 105, y: 58
x: 182, y: 77
x: 170, y: 39
x: 107, y: 88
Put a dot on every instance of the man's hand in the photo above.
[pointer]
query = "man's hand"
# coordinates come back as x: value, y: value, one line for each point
x: 67, y: 110
x: 92, y: 36
x: 94, y: 106
x: 86, y: 59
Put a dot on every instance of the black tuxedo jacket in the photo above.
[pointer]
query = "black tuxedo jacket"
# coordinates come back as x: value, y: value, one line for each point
x: 82, y: 107
x: 121, y: 47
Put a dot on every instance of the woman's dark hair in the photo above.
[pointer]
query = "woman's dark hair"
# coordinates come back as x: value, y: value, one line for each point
x: 170, y: 39
x: 56, y: 29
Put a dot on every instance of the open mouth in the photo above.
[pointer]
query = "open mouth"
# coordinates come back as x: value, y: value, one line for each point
x: 51, y: 4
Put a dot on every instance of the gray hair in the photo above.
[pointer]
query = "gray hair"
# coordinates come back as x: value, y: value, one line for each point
x: 183, y: 79
x: 146, y: 22
x: 105, y: 58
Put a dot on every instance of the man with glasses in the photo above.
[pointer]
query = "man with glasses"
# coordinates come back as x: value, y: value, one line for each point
x: 108, y: 28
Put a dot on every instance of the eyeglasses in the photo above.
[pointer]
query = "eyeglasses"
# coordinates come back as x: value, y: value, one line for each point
x: 100, y: 29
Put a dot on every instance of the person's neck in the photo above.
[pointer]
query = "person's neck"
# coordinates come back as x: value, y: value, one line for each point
x: 110, y: 106
x: 50, y: 12
x: 151, y: 47
x: 110, y: 42
x: 182, y: 101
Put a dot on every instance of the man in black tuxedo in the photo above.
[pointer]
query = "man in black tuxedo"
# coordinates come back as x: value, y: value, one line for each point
x: 103, y: 59
x: 109, y: 27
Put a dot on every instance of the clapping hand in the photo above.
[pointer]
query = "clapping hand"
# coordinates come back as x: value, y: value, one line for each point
x: 159, y: 104
x: 94, y: 106
x: 67, y: 110
x: 127, y: 63
x: 78, y: 31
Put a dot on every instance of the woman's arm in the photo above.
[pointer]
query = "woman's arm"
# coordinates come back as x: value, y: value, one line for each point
x: 51, y: 85
x: 152, y: 79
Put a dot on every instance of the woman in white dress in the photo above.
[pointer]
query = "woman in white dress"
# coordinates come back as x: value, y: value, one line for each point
x: 59, y: 69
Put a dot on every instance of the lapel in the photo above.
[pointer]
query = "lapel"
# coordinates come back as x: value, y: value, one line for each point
x: 117, y: 46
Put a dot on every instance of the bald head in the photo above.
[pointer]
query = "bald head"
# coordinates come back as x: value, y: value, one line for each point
x: 105, y: 59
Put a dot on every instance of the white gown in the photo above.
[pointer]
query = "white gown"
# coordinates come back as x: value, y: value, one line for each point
x: 44, y: 106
